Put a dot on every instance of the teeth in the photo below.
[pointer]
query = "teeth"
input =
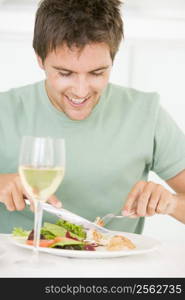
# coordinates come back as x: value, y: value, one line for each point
x: 77, y: 101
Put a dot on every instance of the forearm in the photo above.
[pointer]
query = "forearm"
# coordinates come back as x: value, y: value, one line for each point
x: 179, y: 208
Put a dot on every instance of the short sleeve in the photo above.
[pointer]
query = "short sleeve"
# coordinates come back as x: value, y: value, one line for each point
x: 169, y: 147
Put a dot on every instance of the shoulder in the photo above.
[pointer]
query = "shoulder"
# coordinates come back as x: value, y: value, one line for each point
x: 134, y: 100
x: 15, y: 96
x: 131, y: 95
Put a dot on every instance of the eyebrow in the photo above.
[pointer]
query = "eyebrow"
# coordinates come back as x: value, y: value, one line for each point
x: 71, y: 71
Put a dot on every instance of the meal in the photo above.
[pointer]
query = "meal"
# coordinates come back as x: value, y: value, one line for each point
x: 65, y: 235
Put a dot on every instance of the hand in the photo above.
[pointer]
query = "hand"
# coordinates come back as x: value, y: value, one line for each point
x: 147, y: 199
x: 13, y: 195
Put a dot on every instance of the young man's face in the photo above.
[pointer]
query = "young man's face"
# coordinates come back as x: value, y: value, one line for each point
x: 75, y: 80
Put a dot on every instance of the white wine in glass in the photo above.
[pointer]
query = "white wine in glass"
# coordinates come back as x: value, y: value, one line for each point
x: 41, y: 169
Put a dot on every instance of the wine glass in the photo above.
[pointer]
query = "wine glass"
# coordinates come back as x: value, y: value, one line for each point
x: 41, y: 169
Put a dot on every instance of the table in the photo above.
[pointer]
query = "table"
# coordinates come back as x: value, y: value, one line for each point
x: 168, y: 260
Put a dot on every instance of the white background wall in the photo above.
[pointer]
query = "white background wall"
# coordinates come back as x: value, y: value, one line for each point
x: 152, y: 58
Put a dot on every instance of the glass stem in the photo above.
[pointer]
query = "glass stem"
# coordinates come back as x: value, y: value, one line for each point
x: 37, y: 224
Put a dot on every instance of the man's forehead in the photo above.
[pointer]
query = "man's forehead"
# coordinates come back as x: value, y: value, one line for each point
x: 91, y: 52
x: 78, y: 50
x: 91, y: 57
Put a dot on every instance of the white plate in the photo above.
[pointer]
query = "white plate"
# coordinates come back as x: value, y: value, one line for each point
x: 143, y: 244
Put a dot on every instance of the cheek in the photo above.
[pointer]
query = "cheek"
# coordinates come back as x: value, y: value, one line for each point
x: 100, y: 83
x: 58, y: 83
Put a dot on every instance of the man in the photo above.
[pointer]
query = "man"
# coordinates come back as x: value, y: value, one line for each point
x: 114, y: 135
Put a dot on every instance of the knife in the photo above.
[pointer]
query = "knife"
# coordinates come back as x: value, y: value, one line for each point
x: 72, y: 218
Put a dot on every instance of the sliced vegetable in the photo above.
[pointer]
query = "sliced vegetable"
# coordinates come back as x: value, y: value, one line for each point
x: 63, y: 242
x: 73, y: 236
x: 42, y: 243
x: 18, y: 231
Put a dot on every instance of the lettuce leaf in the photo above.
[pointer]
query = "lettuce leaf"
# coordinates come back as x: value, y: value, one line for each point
x: 18, y: 231
x: 50, y: 231
x: 77, y: 230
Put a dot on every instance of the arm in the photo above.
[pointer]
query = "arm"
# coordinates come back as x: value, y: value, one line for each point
x: 13, y: 195
x: 177, y: 183
x: 148, y: 198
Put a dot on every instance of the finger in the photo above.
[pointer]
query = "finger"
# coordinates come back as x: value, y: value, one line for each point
x: 17, y: 198
x: 21, y: 188
x: 53, y: 200
x: 132, y: 197
x: 19, y: 195
x: 6, y: 198
x: 153, y: 202
x: 24, y: 193
x: 10, y: 205
x: 142, y: 203
x: 144, y: 199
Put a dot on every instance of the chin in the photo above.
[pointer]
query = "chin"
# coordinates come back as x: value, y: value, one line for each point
x: 78, y: 117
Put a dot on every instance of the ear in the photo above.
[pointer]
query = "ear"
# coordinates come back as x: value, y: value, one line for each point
x: 40, y: 62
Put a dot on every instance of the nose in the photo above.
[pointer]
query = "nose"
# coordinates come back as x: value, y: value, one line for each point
x: 81, y: 87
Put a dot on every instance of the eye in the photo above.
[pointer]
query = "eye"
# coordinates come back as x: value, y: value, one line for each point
x: 97, y: 74
x: 64, y: 74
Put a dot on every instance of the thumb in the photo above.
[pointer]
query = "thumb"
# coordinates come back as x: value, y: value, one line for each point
x: 53, y: 200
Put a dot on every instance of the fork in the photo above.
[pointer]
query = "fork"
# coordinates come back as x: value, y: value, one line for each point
x: 111, y: 216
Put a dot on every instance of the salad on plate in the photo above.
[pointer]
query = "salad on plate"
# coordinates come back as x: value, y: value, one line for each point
x: 65, y: 235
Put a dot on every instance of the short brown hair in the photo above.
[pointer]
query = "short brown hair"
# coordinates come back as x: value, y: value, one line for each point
x: 77, y: 23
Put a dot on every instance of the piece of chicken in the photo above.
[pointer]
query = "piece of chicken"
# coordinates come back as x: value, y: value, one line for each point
x: 119, y: 242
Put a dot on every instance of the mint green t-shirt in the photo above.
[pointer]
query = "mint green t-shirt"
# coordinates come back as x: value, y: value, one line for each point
x: 127, y: 134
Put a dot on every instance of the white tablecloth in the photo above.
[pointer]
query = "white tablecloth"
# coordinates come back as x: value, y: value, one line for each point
x: 168, y: 260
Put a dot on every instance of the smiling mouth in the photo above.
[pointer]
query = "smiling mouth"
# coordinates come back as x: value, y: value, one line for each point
x: 77, y: 102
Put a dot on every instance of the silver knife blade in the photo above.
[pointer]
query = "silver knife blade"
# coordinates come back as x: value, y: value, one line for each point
x: 72, y: 218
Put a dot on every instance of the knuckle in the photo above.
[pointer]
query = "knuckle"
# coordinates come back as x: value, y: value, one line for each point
x: 141, y: 183
x: 159, y: 187
x: 132, y: 195
x: 142, y: 201
x: 9, y: 187
x: 144, y: 195
x: 159, y: 210
x: 151, y: 210
x: 151, y: 183
x: 4, y: 191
